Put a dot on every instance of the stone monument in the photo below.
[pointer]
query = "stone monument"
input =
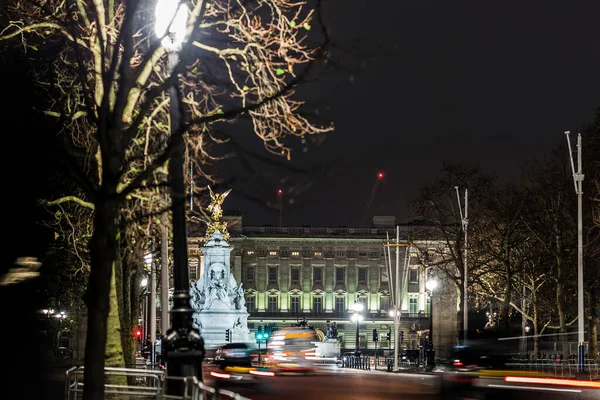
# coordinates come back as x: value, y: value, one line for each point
x: 217, y: 299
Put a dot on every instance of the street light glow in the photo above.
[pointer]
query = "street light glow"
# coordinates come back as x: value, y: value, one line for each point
x: 356, y: 318
x: 431, y: 284
x: 358, y: 307
x: 144, y: 282
x: 176, y: 14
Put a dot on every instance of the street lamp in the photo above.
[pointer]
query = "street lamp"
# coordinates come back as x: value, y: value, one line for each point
x: 431, y: 285
x: 356, y: 317
x: 527, y: 329
x: 182, y: 345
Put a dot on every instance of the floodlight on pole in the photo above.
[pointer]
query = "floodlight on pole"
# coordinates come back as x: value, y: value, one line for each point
x: 578, y: 181
x: 464, y: 217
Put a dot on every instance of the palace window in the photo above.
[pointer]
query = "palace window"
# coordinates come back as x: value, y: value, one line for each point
x: 317, y: 307
x: 295, y: 304
x: 250, y: 252
x: 272, y: 304
x: 317, y: 274
x: 318, y: 254
x: 412, y: 275
x: 340, y: 275
x: 295, y: 275
x: 412, y: 305
x: 340, y: 304
x: 193, y: 271
x: 384, y: 304
x: 272, y: 253
x: 272, y: 274
x: 362, y: 275
x: 250, y: 274
x: 251, y: 303
x: 295, y: 253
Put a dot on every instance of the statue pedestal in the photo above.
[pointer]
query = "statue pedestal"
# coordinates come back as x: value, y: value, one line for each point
x: 214, y: 323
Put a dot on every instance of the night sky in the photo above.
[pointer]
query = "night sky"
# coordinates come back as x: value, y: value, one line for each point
x: 494, y: 83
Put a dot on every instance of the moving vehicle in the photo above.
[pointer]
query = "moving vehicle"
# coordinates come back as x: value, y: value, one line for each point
x: 233, y: 355
x: 293, y: 349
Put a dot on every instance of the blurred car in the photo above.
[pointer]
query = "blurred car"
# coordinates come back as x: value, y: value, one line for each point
x: 233, y: 355
x: 293, y: 349
x: 466, y: 366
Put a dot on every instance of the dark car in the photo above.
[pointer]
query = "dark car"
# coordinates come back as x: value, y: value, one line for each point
x: 233, y: 355
x: 467, y: 364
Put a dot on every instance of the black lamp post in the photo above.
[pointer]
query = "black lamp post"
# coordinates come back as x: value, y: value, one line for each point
x: 431, y: 284
x: 358, y: 307
x: 527, y: 329
x: 182, y: 346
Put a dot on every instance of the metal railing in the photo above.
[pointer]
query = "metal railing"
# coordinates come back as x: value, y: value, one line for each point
x: 558, y: 368
x: 145, y: 384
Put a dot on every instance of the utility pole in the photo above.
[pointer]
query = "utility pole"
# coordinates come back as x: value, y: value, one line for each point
x: 280, y: 205
x: 395, y: 292
x: 398, y: 305
x: 465, y: 226
x: 578, y: 181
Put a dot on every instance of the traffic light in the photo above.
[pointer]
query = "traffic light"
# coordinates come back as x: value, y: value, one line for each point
x: 389, y: 336
x: 138, y: 334
x: 375, y: 338
x: 227, y: 335
x: 259, y: 333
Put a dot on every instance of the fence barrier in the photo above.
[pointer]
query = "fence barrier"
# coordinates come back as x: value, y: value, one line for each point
x: 144, y: 384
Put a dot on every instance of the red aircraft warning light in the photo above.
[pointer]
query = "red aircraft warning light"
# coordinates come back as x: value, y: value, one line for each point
x: 280, y: 192
x: 380, y: 175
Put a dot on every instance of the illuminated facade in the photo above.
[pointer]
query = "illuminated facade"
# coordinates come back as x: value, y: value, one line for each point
x: 291, y: 273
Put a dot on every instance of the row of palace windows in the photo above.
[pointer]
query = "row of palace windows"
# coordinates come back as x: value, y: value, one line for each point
x: 274, y: 253
x: 340, y: 274
x: 339, y: 306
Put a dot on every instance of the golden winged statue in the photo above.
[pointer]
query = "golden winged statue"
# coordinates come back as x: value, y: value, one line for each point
x: 216, y: 213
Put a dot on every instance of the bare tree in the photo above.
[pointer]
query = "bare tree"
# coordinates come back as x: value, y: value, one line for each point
x: 105, y: 77
x: 437, y: 209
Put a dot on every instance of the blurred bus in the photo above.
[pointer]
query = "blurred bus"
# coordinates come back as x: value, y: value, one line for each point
x: 293, y: 349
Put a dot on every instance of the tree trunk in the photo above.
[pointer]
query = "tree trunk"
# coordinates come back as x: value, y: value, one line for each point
x: 103, y: 246
x: 560, y: 306
x: 114, y: 347
x: 536, y: 344
x: 593, y: 338
x: 507, y: 298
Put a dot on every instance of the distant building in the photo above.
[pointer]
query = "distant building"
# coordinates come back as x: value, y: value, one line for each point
x: 292, y: 273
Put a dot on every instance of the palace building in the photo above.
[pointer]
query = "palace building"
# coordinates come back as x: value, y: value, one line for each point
x: 317, y: 274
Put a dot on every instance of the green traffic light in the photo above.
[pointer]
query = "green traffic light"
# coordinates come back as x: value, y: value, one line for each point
x: 259, y: 336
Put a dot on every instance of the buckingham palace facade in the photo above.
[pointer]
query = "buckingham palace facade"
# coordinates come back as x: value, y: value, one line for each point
x: 317, y: 274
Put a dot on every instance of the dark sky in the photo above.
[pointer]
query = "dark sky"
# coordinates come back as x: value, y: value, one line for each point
x: 453, y: 81
x: 495, y: 83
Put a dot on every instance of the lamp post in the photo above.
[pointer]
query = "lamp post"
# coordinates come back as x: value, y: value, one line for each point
x: 527, y: 329
x: 356, y: 317
x: 578, y: 181
x: 431, y: 284
x: 182, y: 346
